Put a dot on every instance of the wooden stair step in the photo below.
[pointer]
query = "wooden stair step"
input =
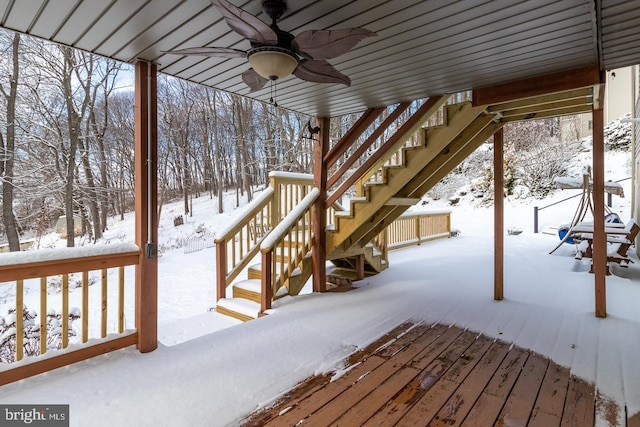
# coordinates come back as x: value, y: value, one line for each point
x: 337, y: 273
x: 240, y: 308
x: 250, y: 289
x: 255, y: 271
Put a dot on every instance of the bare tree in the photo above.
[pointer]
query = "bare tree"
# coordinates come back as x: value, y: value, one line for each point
x: 7, y: 149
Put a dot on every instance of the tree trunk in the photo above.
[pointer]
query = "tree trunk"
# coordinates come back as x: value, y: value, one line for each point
x: 73, y: 122
x: 8, y: 153
x: 92, y: 196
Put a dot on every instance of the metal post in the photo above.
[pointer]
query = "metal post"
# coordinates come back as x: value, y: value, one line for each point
x: 535, y: 219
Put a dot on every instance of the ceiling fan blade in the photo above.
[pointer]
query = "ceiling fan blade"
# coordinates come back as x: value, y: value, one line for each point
x: 319, y: 71
x: 245, y: 24
x: 327, y: 44
x: 214, y: 52
x: 254, y: 80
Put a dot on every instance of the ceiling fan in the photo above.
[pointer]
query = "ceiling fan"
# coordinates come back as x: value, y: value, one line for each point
x: 275, y: 53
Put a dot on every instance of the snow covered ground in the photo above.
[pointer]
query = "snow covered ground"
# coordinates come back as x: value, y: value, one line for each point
x: 210, y: 370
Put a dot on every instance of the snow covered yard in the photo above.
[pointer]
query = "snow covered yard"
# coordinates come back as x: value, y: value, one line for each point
x: 210, y: 370
x: 200, y: 376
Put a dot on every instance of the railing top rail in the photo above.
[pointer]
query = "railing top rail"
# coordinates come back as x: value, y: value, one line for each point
x: 424, y: 213
x: 13, y: 259
x: 66, y: 260
x: 289, y: 221
x: 249, y: 210
x: 304, y: 178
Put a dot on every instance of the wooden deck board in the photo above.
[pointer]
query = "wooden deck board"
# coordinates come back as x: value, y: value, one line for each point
x: 455, y: 410
x: 488, y: 406
x: 414, y: 395
x: 579, y: 409
x: 633, y: 420
x: 432, y: 368
x: 439, y: 376
x: 517, y: 410
x: 397, y: 362
x: 548, y: 409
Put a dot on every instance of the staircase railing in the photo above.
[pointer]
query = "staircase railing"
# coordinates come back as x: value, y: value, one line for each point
x: 284, y: 249
x: 395, y: 152
x: 239, y: 243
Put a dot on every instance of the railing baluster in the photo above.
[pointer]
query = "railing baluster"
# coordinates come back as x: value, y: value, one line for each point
x: 71, y: 305
x: 281, y: 270
x: 104, y: 303
x: 416, y: 228
x: 65, y: 310
x: 85, y: 306
x: 19, y: 320
x: 43, y: 315
x: 266, y: 280
x: 120, y: 299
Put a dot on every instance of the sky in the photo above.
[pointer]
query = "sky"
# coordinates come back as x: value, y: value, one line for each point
x: 210, y: 370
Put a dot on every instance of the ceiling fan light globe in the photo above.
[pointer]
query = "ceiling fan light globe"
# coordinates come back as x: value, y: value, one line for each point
x: 272, y: 64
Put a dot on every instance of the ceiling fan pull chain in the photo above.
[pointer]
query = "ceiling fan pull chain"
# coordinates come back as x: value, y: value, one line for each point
x: 272, y: 92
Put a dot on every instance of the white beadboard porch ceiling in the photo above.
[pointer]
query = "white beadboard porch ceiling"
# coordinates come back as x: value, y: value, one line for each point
x: 423, y: 47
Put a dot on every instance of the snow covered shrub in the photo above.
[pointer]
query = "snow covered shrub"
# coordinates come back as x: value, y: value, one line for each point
x: 31, y: 331
x: 617, y: 135
x: 458, y: 181
x: 54, y: 283
x: 538, y: 154
x: 447, y: 187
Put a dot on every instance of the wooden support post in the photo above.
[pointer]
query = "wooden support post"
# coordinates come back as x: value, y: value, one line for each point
x: 146, y: 193
x: 221, y: 269
x: 498, y: 218
x: 319, y: 250
x: 599, y: 237
x: 360, y: 267
x: 266, y: 296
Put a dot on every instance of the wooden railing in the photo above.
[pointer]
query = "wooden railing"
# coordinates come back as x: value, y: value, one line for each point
x: 284, y: 249
x: 394, y: 155
x: 239, y: 243
x: 412, y: 229
x: 377, y: 150
x: 59, y: 317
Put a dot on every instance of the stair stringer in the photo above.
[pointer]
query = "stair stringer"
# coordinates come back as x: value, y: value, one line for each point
x: 430, y: 176
x: 366, y: 216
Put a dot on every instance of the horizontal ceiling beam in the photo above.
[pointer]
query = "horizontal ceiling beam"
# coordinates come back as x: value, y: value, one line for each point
x: 568, y: 111
x: 538, y: 86
x: 550, y: 108
x: 540, y: 101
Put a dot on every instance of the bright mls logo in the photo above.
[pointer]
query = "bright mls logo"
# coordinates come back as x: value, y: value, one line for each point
x: 34, y: 415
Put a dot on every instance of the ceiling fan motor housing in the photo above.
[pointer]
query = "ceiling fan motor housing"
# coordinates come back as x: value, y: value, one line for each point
x: 274, y: 9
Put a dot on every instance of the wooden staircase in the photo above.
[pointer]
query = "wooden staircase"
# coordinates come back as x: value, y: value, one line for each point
x: 416, y: 158
x: 391, y: 188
